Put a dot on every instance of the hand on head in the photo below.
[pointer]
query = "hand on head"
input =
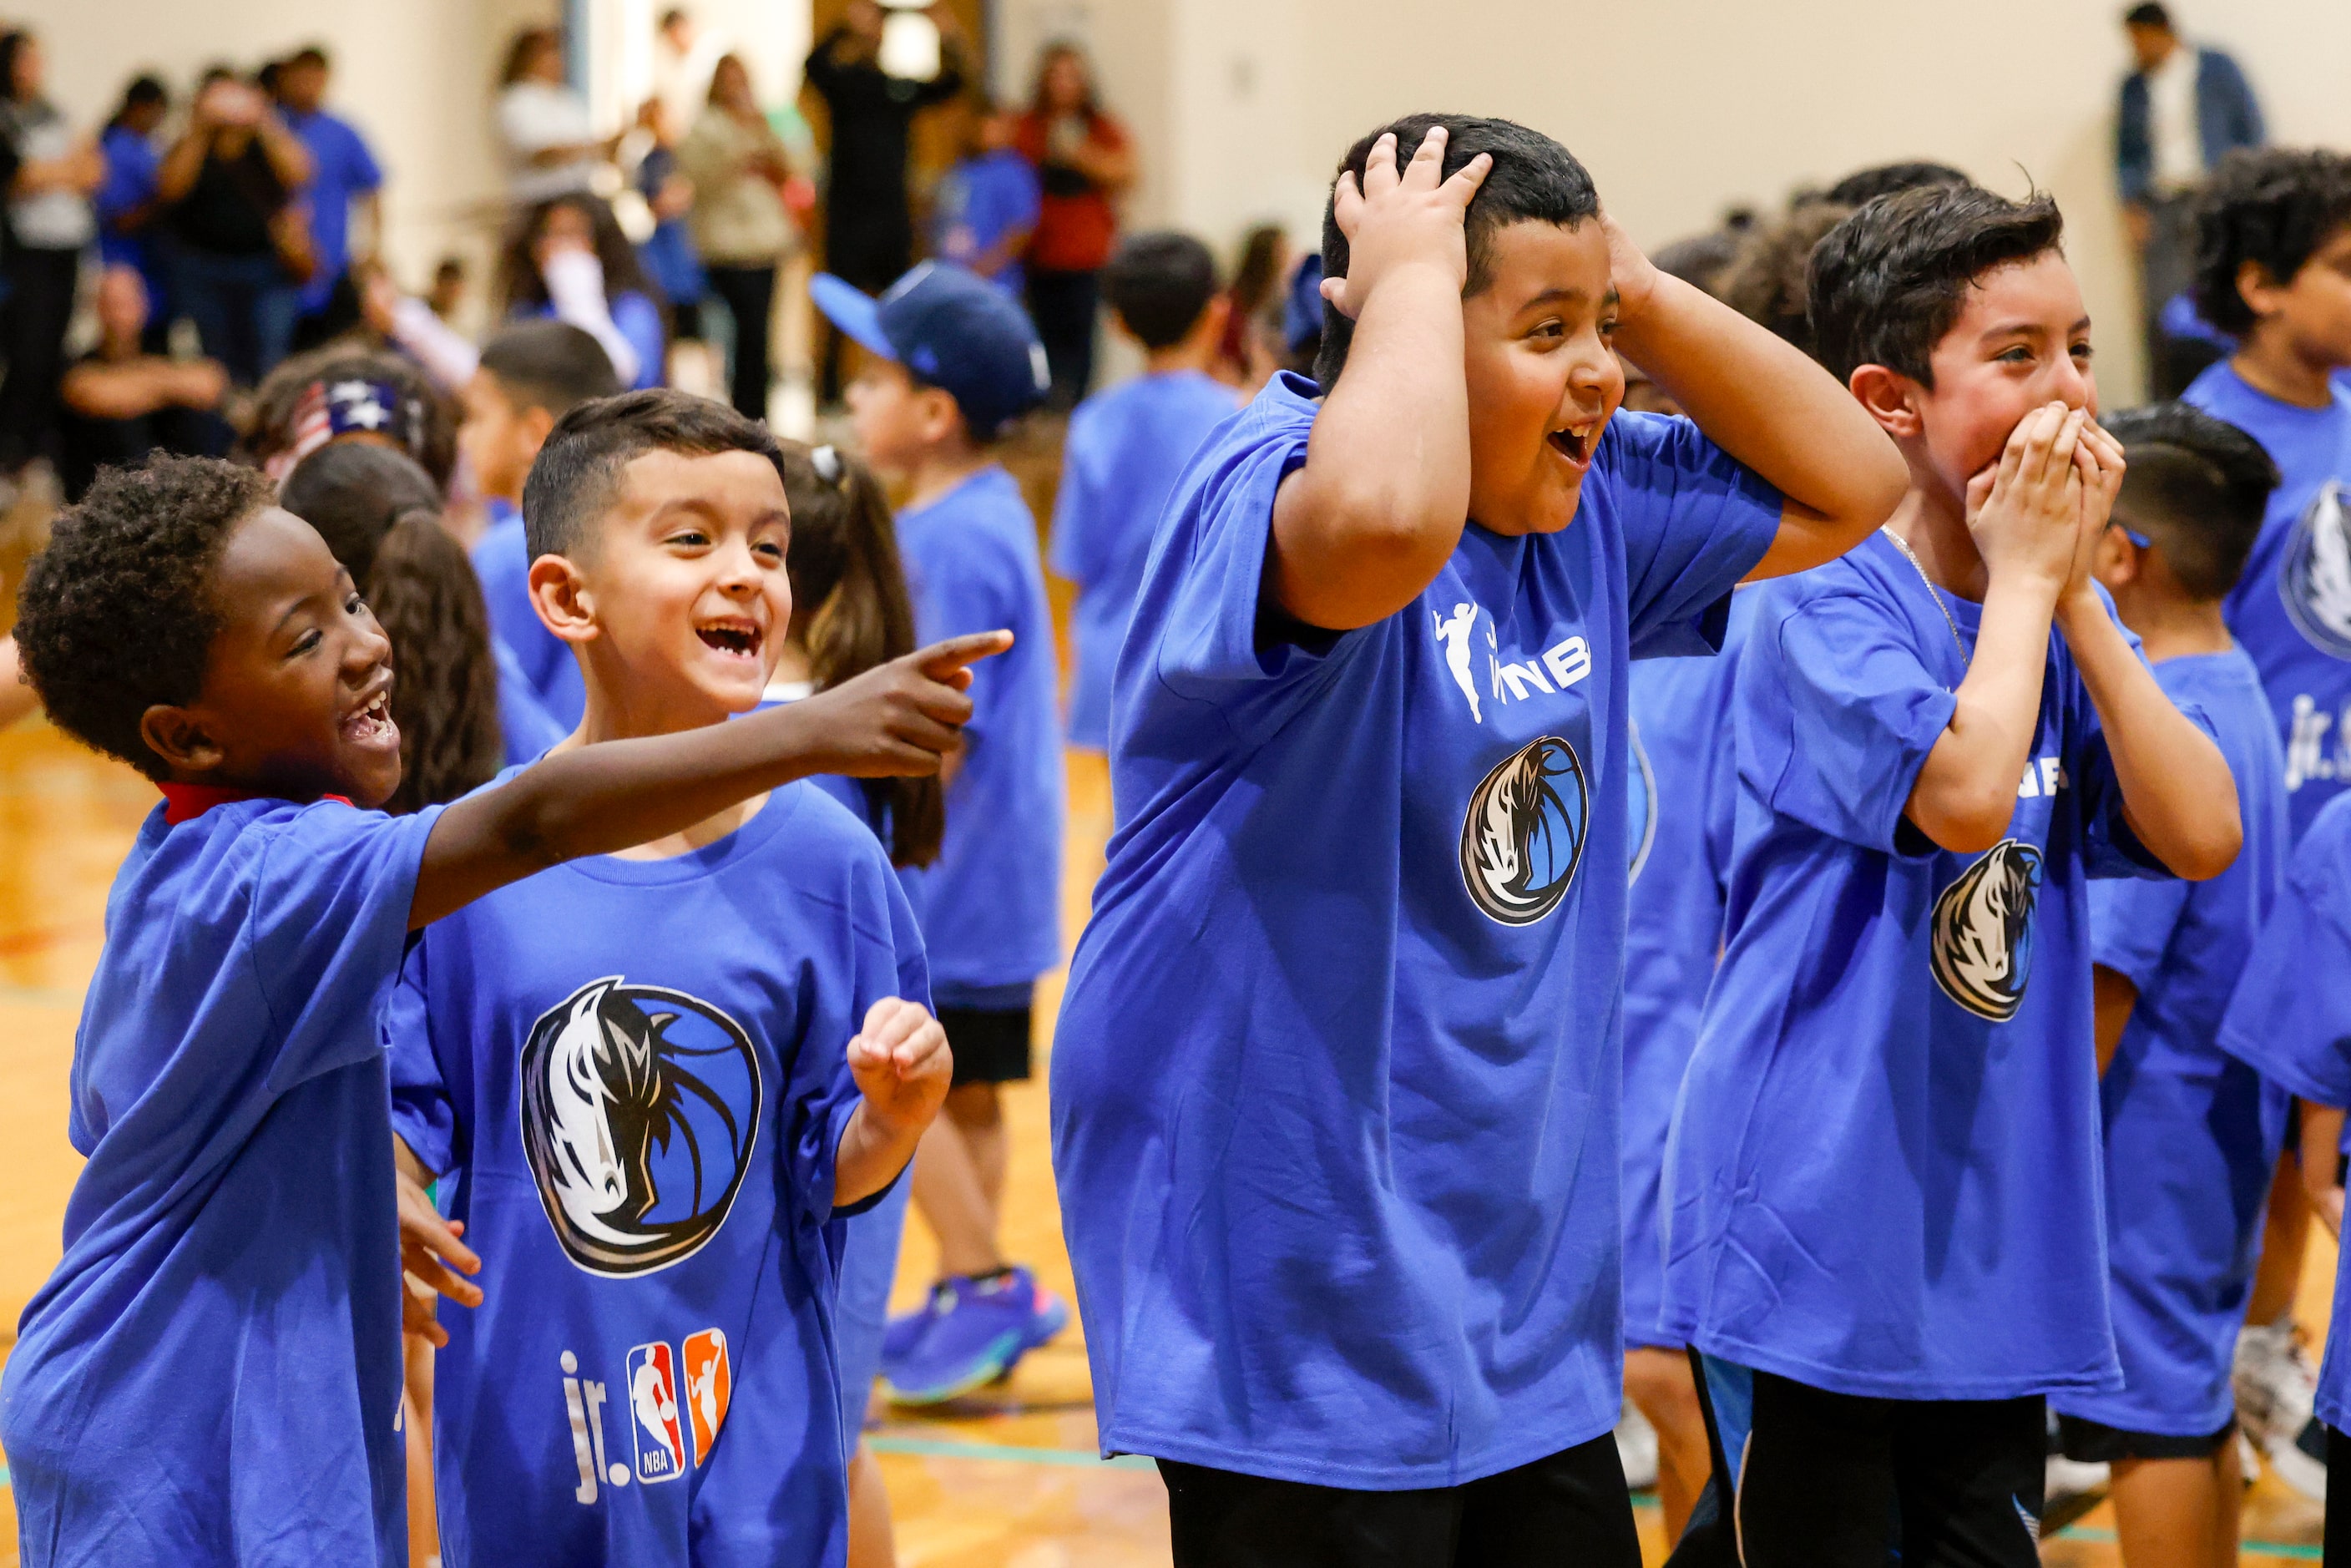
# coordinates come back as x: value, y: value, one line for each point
x: 1396, y: 219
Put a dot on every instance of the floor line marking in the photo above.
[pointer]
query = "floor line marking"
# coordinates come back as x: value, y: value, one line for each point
x: 948, y: 1448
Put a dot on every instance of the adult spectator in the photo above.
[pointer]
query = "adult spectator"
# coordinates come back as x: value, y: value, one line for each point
x: 122, y: 402
x: 48, y: 175
x: 344, y: 173
x: 1084, y: 161
x: 869, y: 226
x: 2182, y: 111
x: 126, y: 208
x: 544, y: 126
x: 240, y: 252
x: 740, y: 170
x: 683, y: 60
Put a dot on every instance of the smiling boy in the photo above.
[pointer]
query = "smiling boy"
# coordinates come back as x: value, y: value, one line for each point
x: 1882, y: 1187
x: 213, y: 1374
x: 1336, y: 1085
x: 636, y: 1063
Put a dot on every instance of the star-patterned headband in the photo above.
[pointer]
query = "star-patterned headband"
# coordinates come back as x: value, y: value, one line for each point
x: 329, y: 409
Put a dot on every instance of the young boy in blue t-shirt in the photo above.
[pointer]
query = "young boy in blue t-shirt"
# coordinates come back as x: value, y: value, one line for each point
x: 1882, y: 1185
x: 2191, y: 1135
x: 1127, y: 447
x: 986, y: 207
x: 635, y: 1062
x: 1336, y: 1083
x: 213, y: 1374
x: 950, y: 363
x: 2291, y: 1018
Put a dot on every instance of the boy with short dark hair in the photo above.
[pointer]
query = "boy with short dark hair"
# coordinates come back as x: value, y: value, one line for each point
x: 1882, y: 1209
x: 1336, y: 1080
x: 1127, y: 447
x: 2191, y: 1135
x: 950, y: 362
x: 213, y: 1372
x: 634, y: 1060
x: 530, y: 376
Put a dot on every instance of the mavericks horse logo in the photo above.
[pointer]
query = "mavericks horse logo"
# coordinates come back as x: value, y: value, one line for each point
x: 1523, y: 833
x: 2315, y: 578
x: 1983, y: 937
x: 639, y: 1106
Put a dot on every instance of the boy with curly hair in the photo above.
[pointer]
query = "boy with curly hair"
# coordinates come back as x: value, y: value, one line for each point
x: 213, y: 1374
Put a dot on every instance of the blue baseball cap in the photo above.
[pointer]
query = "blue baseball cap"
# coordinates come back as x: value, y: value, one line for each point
x: 956, y: 330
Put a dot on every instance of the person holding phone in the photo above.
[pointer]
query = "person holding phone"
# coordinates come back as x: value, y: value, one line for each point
x: 1084, y: 161
x: 241, y: 248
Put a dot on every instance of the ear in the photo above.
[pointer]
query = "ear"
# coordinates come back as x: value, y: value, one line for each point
x: 536, y: 424
x: 1210, y: 327
x: 559, y: 592
x: 939, y: 416
x: 1891, y: 398
x: 2115, y: 561
x: 180, y: 737
x: 2257, y: 290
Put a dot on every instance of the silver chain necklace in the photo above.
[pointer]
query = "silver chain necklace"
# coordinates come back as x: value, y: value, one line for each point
x: 1916, y: 565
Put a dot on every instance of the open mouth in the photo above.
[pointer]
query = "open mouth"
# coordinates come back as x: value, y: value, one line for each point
x: 371, y: 725
x: 736, y: 638
x: 1575, y: 442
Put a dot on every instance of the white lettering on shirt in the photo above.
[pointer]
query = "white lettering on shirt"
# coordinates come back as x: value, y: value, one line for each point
x: 1569, y: 661
x: 2042, y: 776
x: 2306, y: 745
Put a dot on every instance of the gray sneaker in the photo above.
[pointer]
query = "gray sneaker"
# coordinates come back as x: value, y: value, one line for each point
x: 2276, y: 1388
x: 1636, y: 1447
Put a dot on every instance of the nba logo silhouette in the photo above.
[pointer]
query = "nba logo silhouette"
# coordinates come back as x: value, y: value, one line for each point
x: 708, y: 1383
x: 653, y: 1413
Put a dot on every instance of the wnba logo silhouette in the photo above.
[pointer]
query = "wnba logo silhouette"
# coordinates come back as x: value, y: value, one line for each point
x: 639, y: 1106
x: 1523, y: 833
x: 1983, y: 937
x: 2314, y: 576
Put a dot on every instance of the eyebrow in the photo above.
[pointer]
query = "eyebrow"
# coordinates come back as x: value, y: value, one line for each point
x: 342, y: 578
x: 1566, y: 296
x: 2028, y: 330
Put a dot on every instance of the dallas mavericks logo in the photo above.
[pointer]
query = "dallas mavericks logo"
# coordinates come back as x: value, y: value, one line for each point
x: 1523, y: 833
x: 1642, y: 826
x: 2315, y: 578
x: 639, y: 1106
x: 1983, y: 936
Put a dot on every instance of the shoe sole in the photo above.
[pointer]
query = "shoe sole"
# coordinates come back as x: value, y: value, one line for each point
x: 2298, y: 1470
x: 994, y: 1366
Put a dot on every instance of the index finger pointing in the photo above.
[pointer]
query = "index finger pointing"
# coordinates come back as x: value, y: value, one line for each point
x: 941, y: 660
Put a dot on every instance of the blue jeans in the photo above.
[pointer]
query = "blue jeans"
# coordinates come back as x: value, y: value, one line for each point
x: 243, y: 308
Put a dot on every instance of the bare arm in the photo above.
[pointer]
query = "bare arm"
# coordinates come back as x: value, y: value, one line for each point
x: 896, y: 719
x: 2025, y: 515
x: 1765, y: 402
x: 16, y: 698
x: 141, y: 386
x: 433, y: 1259
x: 1379, y: 507
x: 177, y: 176
x: 2115, y: 997
x: 2321, y: 1162
x: 288, y: 158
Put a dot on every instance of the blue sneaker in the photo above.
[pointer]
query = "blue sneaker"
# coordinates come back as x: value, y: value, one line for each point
x: 902, y: 1333
x: 978, y: 1331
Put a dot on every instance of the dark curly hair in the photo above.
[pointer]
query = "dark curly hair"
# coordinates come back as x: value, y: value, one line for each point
x: 117, y: 615
x: 522, y: 289
x: 425, y: 423
x: 2274, y: 207
x: 379, y: 513
x: 1890, y: 281
x: 851, y: 605
x: 1768, y: 276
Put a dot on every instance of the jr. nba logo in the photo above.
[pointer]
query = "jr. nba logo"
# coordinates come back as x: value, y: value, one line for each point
x: 653, y: 1413
x: 709, y: 1381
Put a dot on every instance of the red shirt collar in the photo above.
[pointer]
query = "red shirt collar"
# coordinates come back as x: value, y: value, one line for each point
x: 186, y: 802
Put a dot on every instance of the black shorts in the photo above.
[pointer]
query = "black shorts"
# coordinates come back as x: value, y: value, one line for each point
x: 1570, y: 1508
x: 2096, y: 1443
x: 990, y: 1044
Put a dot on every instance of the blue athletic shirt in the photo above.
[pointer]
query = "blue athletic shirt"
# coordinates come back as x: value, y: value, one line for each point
x: 2292, y: 608
x: 991, y: 915
x: 502, y: 562
x: 2291, y: 1018
x: 1335, y: 1086
x: 213, y: 1374
x: 341, y: 167
x: 131, y: 162
x: 2191, y: 1135
x: 1681, y: 861
x: 978, y: 202
x: 1883, y: 1178
x: 639, y: 1067
x: 1126, y: 448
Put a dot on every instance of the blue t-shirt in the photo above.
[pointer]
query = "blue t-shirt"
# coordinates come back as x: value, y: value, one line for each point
x: 2291, y: 1018
x: 978, y: 202
x: 1336, y: 1085
x: 129, y: 183
x: 1883, y: 1178
x: 342, y: 167
x: 1126, y: 448
x: 1685, y: 778
x: 991, y: 915
x: 2193, y: 1135
x: 639, y: 1067
x: 2292, y: 608
x: 502, y: 562
x: 213, y: 1374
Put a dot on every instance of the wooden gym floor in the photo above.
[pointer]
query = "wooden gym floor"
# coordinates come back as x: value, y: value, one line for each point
x: 1008, y: 1479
